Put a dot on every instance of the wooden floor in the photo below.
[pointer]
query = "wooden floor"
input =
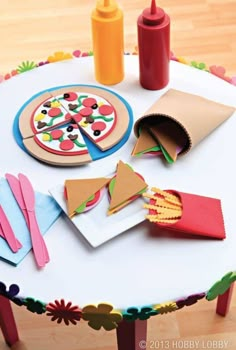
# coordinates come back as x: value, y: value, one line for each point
x: 202, y: 30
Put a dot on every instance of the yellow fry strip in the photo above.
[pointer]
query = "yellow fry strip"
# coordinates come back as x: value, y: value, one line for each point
x: 166, y: 195
x: 163, y: 221
x: 159, y: 200
x: 156, y: 219
x: 163, y: 203
x: 168, y: 211
x: 176, y: 203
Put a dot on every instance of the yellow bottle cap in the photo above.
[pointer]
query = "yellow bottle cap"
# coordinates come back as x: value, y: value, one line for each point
x: 107, y: 8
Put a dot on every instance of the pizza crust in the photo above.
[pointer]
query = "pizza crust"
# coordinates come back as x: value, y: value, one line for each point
x: 25, y: 116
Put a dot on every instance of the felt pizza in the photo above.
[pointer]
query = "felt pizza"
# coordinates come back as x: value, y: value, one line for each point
x: 57, y: 126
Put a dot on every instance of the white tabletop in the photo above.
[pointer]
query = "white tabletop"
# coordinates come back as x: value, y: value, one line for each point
x: 135, y: 268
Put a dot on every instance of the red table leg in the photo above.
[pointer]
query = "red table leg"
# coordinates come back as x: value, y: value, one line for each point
x: 132, y: 335
x: 223, y: 301
x: 7, y: 322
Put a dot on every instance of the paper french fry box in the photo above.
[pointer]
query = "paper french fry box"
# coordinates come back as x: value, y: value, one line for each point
x: 201, y: 216
x: 195, y: 116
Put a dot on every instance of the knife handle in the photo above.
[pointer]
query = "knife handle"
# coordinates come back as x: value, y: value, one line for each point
x: 36, y: 239
x: 45, y: 250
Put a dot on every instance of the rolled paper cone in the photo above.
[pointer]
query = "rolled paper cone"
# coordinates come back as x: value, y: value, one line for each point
x: 195, y: 115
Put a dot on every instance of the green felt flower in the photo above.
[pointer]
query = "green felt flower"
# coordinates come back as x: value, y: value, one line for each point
x: 143, y: 313
x: 220, y: 287
x: 201, y: 65
x: 35, y: 306
x: 26, y: 66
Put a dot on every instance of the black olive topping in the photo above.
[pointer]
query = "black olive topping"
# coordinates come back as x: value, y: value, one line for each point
x: 70, y: 128
x: 97, y: 132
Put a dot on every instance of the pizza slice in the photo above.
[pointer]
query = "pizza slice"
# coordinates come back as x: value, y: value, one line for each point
x: 44, y: 113
x: 81, y: 193
x: 63, y: 145
x: 125, y: 187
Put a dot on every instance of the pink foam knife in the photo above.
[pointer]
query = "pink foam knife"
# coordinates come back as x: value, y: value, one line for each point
x: 8, y: 232
x: 18, y: 243
x: 36, y: 236
x: 16, y: 190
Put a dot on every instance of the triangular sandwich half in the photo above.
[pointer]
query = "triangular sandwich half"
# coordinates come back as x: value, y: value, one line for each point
x: 79, y: 191
x: 125, y: 187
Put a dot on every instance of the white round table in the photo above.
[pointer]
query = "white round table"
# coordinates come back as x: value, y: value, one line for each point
x: 136, y: 268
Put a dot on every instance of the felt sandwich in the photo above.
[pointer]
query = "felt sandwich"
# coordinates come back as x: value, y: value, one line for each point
x: 124, y: 187
x: 83, y: 194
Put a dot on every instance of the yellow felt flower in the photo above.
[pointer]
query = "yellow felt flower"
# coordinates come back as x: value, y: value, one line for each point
x: 166, y: 307
x: 46, y: 137
x: 182, y: 60
x: 39, y: 117
x: 101, y: 316
x: 59, y: 56
x: 55, y: 104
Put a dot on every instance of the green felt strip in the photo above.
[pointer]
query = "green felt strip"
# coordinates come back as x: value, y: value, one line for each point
x: 152, y: 149
x: 79, y: 144
x: 103, y: 118
x: 79, y: 100
x: 52, y: 119
x: 166, y: 155
x: 82, y: 207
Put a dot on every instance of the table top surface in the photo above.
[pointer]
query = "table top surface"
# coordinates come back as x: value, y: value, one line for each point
x: 138, y: 267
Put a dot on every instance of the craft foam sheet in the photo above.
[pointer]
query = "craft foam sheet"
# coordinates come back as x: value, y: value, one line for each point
x: 173, y: 267
x: 46, y: 209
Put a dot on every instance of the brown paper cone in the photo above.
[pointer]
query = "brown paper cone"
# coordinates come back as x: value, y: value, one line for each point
x: 197, y: 116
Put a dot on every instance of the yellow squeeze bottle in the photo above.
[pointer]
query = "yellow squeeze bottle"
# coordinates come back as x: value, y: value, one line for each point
x: 108, y: 42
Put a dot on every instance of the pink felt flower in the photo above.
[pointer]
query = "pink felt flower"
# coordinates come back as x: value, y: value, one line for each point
x: 219, y: 71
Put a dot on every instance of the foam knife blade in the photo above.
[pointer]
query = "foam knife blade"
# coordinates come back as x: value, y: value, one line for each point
x: 16, y: 190
x: 8, y: 232
x: 15, y: 186
x: 36, y: 236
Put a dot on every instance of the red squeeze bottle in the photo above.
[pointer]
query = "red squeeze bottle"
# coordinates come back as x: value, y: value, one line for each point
x: 154, y: 47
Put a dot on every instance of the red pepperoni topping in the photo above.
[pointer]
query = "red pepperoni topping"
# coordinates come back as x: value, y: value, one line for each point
x: 105, y: 109
x: 86, y: 112
x: 77, y: 117
x: 70, y: 96
x: 67, y: 116
x: 98, y: 126
x: 56, y: 134
x: 54, y: 112
x: 89, y: 102
x: 66, y: 145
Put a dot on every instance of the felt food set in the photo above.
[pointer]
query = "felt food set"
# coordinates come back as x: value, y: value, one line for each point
x: 177, y: 122
x: 57, y: 127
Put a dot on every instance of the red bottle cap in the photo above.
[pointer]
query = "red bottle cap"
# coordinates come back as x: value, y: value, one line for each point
x: 153, y: 15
